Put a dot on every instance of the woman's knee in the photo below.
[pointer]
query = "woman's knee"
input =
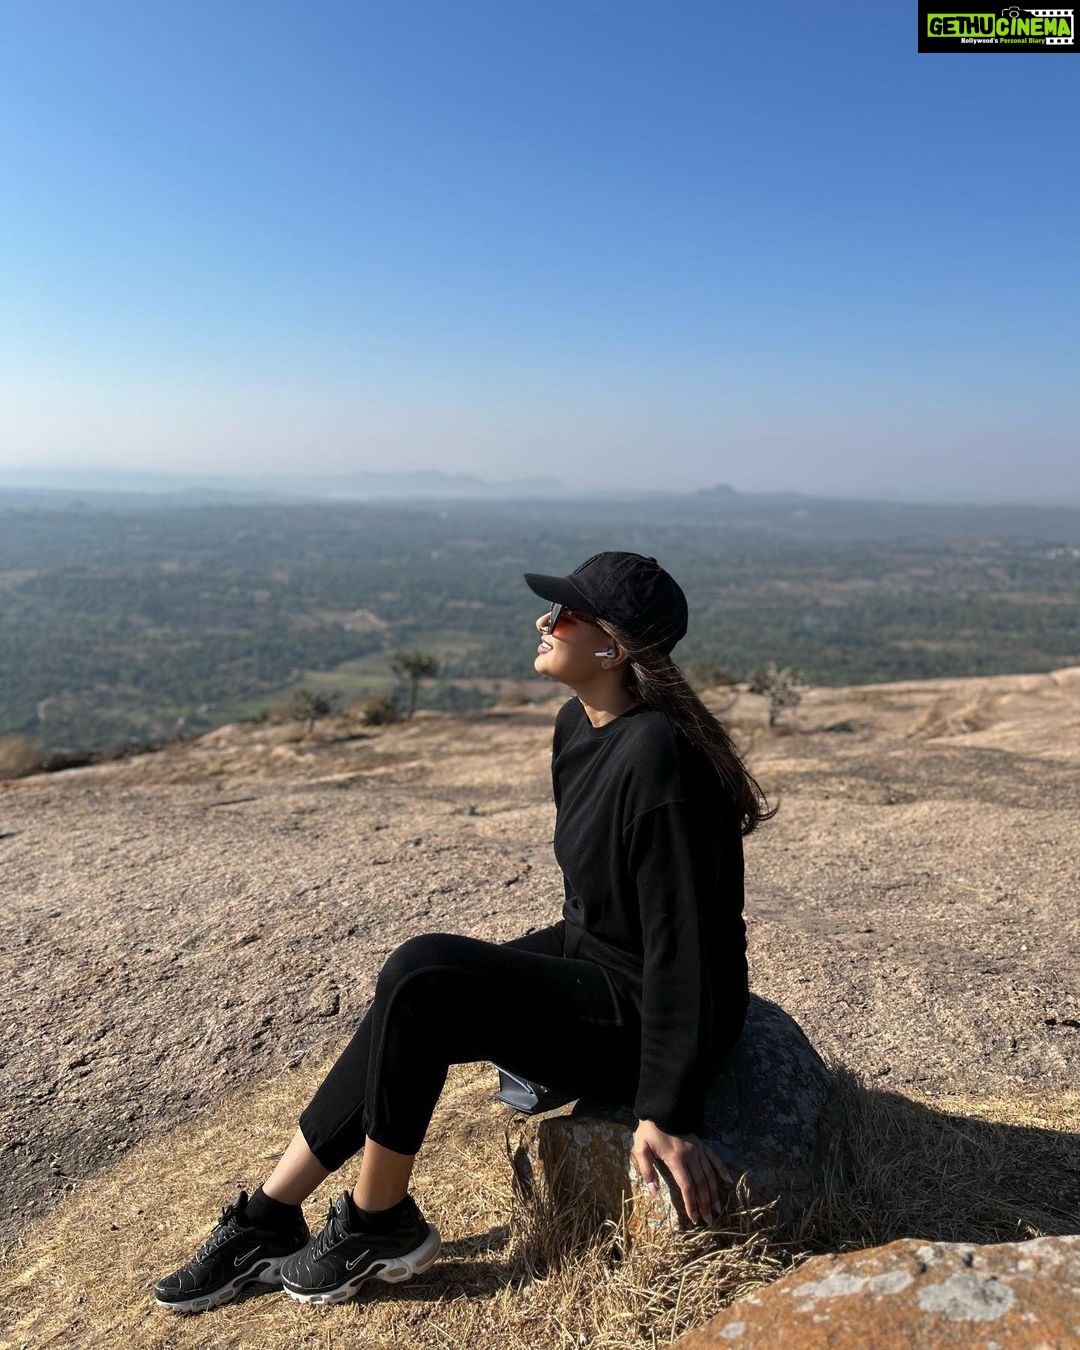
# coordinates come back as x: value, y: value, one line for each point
x: 423, y: 951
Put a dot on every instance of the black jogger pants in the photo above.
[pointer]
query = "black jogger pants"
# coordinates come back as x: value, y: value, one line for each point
x: 442, y: 999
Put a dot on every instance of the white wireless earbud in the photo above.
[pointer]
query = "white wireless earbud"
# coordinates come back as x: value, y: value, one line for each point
x: 610, y: 652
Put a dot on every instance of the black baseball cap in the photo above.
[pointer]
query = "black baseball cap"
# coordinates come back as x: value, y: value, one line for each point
x: 627, y: 589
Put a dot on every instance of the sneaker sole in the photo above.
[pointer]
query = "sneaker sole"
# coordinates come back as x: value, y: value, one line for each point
x: 393, y: 1270
x: 266, y: 1272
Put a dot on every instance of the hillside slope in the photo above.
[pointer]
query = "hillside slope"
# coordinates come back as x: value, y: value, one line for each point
x: 185, y: 922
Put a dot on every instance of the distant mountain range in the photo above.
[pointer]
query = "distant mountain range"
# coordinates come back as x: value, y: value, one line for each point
x: 30, y: 487
x: 195, y: 487
x: 430, y: 483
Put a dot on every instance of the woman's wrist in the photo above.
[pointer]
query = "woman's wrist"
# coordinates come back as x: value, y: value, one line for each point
x: 652, y: 1125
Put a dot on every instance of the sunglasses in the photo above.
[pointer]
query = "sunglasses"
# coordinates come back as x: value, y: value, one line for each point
x: 560, y: 613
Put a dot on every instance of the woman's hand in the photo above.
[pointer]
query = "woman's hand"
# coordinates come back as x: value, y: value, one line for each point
x: 697, y: 1170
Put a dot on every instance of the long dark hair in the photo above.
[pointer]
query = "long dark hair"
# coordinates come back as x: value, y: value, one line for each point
x: 654, y: 678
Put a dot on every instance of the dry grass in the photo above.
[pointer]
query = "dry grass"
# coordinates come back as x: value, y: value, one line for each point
x: 511, y: 1276
x: 19, y: 755
x: 949, y: 1170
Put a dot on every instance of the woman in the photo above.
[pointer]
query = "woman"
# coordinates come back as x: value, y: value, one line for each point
x: 632, y: 996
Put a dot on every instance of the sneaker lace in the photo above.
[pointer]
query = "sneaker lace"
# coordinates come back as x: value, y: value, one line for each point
x: 331, y: 1233
x: 221, y: 1232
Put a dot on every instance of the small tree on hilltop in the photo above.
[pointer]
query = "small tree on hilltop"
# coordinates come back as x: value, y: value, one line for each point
x: 784, y: 686
x: 415, y: 666
x: 305, y: 705
x: 376, y: 710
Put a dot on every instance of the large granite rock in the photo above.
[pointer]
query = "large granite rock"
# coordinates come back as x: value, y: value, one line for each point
x: 908, y: 1294
x: 767, y: 1114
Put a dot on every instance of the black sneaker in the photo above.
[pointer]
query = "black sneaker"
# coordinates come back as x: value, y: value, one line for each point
x: 336, y: 1262
x: 238, y: 1252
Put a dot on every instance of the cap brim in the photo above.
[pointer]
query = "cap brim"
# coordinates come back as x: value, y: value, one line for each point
x: 561, y: 589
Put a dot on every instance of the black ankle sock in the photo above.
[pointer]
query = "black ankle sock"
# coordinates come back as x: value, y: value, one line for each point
x: 267, y: 1212
x: 375, y: 1220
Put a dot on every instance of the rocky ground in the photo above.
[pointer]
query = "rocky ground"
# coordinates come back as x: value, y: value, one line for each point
x: 181, y: 922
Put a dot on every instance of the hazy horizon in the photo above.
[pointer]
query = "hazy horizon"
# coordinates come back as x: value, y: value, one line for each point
x: 615, y: 245
x: 106, y: 478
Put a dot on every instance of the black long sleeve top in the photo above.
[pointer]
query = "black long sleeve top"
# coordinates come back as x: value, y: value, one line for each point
x: 650, y: 846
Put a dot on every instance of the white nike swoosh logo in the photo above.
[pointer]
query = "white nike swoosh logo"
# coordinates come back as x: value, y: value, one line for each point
x: 247, y: 1255
x: 356, y: 1261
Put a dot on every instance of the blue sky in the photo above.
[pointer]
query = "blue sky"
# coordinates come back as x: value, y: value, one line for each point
x: 653, y: 244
